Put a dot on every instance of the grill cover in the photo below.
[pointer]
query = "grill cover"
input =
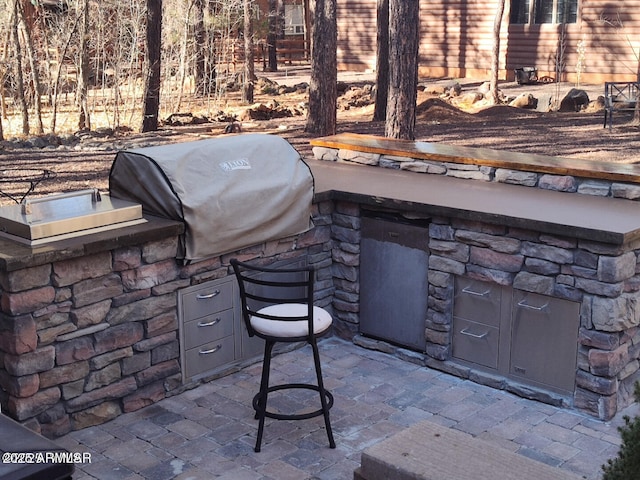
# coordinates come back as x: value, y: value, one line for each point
x: 231, y: 192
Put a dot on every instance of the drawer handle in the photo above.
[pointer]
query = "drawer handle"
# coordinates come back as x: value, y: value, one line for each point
x: 477, y: 294
x: 523, y: 303
x: 207, y: 296
x: 464, y: 331
x: 211, y: 350
x: 209, y: 324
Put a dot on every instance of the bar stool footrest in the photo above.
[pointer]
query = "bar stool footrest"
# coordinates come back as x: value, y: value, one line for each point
x: 298, y: 416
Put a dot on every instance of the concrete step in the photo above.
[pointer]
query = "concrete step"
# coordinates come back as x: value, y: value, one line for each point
x: 427, y: 451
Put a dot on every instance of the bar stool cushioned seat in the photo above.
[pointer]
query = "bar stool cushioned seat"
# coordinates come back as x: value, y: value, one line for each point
x: 277, y: 306
x: 277, y: 328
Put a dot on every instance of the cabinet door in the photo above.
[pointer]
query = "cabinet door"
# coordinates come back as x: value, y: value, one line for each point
x: 394, y: 282
x: 544, y: 341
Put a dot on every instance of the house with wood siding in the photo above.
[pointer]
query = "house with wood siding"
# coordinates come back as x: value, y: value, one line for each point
x: 587, y: 41
x: 579, y: 40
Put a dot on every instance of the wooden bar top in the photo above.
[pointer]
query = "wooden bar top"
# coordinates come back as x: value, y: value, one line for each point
x: 483, y: 156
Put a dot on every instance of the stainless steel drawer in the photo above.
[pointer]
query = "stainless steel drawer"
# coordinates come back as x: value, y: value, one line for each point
x: 207, y: 329
x: 209, y: 356
x: 475, y: 342
x: 478, y: 301
x: 207, y: 300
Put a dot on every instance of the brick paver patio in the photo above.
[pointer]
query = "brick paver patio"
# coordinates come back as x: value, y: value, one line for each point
x: 209, y: 432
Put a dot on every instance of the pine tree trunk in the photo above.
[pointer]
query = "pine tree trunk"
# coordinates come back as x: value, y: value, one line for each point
x: 152, y: 82
x: 382, y: 61
x: 184, y: 60
x: 249, y: 73
x: 272, y: 37
x: 35, y: 76
x: 495, y: 53
x: 404, y: 31
x: 323, y: 94
x: 199, y: 45
x: 19, y: 76
x: 84, y: 119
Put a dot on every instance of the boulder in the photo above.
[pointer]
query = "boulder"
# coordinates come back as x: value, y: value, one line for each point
x: 302, y: 87
x: 574, y: 101
x: 596, y: 105
x: 266, y: 86
x: 467, y: 99
x: 449, y: 89
x: 544, y: 102
x: 524, y: 100
x: 453, y: 89
x: 356, y: 97
x: 433, y: 89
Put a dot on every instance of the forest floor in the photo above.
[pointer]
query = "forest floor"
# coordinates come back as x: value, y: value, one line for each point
x: 567, y: 134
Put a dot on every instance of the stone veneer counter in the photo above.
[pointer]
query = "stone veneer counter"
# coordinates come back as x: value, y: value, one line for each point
x: 608, y: 220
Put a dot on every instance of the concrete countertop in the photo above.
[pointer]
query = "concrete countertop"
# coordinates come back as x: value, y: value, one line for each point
x: 608, y: 220
x: 601, y: 219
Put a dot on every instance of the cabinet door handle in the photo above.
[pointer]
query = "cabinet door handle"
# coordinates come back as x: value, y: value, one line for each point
x: 211, y: 350
x: 523, y: 303
x: 464, y: 331
x: 209, y: 324
x: 207, y: 296
x: 477, y: 294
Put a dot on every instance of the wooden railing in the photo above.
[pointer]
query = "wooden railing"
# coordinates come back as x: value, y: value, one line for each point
x: 288, y: 50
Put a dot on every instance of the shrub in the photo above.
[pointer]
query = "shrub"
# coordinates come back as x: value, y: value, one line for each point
x: 626, y: 465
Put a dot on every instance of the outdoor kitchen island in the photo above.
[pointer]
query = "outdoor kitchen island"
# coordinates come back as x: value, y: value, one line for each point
x: 98, y: 321
x: 532, y: 262
x: 91, y: 325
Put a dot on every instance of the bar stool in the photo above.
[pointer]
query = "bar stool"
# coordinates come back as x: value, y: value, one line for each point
x: 277, y: 306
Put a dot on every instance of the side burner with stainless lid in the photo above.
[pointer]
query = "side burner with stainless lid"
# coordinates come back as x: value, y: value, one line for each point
x: 56, y: 217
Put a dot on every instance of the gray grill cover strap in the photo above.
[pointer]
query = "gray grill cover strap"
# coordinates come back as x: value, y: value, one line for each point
x: 232, y: 192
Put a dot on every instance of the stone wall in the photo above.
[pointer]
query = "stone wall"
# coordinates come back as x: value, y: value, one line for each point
x: 87, y: 338
x: 604, y: 278
x: 546, y: 181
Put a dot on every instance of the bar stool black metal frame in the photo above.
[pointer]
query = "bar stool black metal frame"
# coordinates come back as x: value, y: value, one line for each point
x: 277, y: 306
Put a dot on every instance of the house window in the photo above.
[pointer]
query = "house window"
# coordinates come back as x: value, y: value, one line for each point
x: 519, y: 11
x: 544, y: 11
x: 293, y: 19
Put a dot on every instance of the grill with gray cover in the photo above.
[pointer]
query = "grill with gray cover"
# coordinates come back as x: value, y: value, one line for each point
x: 231, y: 192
